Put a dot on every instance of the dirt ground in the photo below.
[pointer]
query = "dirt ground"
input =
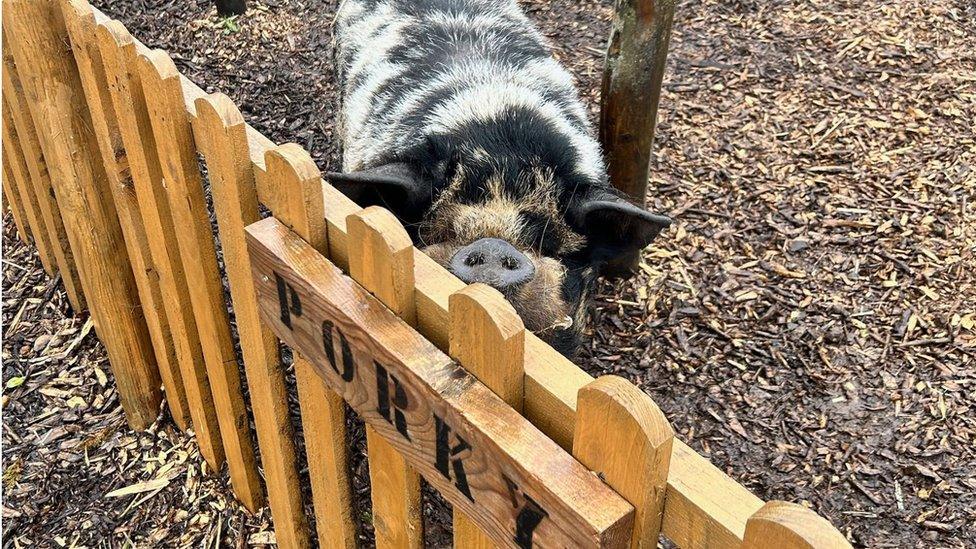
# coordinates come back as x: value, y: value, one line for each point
x: 809, y: 323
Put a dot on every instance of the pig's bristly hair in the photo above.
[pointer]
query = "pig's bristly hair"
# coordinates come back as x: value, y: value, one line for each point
x: 467, y: 93
x: 473, y: 75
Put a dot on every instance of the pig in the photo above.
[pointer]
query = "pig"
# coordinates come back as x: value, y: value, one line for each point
x: 456, y: 117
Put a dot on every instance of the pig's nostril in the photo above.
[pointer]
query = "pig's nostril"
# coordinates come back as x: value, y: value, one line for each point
x: 510, y: 263
x: 475, y: 259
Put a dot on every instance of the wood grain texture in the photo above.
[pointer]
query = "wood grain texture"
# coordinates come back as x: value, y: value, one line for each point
x: 337, y: 210
x: 37, y: 38
x: 633, y: 72
x: 120, y: 62
x: 625, y: 438
x: 782, y: 525
x: 485, y: 458
x: 13, y: 94
x: 129, y: 100
x: 488, y: 339
x: 230, y: 180
x: 12, y: 200
x: 80, y: 22
x: 184, y: 188
x: 17, y: 166
x: 381, y: 261
x: 552, y: 383
x: 295, y: 180
x: 434, y: 288
x: 551, y: 380
x: 704, y: 507
x: 221, y: 136
x: 636, y: 55
x: 396, y: 502
x: 326, y: 449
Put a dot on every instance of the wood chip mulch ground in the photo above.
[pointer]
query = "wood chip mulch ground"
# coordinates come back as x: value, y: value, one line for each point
x: 809, y: 324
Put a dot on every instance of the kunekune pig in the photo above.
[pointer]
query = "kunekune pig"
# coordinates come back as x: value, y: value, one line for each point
x: 456, y: 117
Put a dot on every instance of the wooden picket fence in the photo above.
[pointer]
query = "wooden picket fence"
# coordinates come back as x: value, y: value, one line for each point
x: 101, y: 138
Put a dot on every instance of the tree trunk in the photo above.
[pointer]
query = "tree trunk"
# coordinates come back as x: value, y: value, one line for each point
x: 636, y: 55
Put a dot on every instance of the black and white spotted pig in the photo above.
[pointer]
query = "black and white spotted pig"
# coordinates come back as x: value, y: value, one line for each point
x: 456, y: 117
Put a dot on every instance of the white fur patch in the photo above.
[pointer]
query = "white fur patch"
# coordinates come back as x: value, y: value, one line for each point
x: 484, y: 82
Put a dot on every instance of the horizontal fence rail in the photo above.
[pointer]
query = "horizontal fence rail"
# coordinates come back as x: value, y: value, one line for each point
x: 474, y: 449
x: 101, y: 144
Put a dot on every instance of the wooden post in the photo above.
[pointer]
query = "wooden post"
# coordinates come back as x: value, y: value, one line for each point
x: 222, y: 138
x: 293, y: 176
x: 14, y: 157
x: 623, y: 436
x: 383, y: 265
x: 13, y: 94
x: 184, y: 187
x: 487, y: 338
x: 227, y: 8
x: 37, y: 38
x: 636, y: 56
x: 120, y: 62
x: 790, y: 526
x: 80, y: 22
x: 12, y: 198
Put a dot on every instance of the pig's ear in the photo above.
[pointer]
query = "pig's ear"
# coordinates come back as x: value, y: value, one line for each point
x: 396, y: 185
x: 613, y: 226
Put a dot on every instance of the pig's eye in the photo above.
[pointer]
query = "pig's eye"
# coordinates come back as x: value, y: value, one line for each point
x: 539, y: 233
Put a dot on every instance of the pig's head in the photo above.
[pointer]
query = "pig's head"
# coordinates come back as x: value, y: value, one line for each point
x: 512, y: 211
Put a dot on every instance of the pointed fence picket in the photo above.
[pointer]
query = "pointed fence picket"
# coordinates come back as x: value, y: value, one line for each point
x: 383, y: 265
x: 36, y: 36
x: 40, y: 178
x: 81, y: 26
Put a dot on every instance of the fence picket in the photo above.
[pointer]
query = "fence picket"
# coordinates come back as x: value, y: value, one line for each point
x: 13, y: 93
x: 296, y: 181
x: 335, y: 216
x: 12, y: 199
x: 384, y: 267
x: 487, y: 338
x: 80, y: 23
x: 184, y: 188
x: 790, y: 526
x: 119, y: 60
x: 222, y: 138
x: 14, y: 157
x: 434, y: 288
x: 326, y: 451
x: 36, y: 37
x: 623, y: 436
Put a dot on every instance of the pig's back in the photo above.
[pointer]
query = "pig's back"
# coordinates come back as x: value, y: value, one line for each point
x: 413, y: 68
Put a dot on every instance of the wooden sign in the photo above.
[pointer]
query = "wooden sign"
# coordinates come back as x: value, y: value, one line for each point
x: 521, y: 488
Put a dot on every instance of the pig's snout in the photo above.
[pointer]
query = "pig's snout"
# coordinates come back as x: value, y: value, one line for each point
x: 494, y: 262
